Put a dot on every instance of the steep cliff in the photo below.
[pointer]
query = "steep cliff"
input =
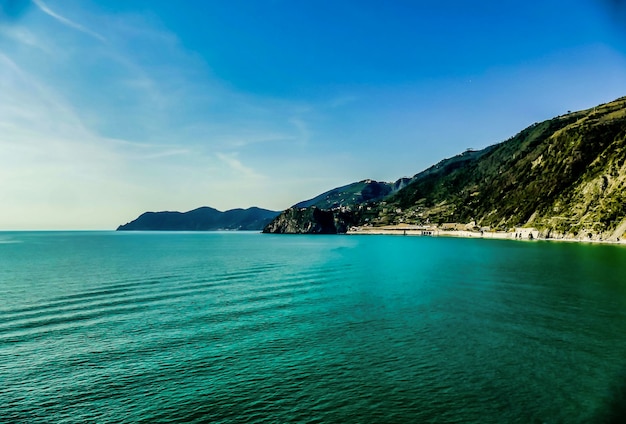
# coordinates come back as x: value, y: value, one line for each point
x: 311, y: 220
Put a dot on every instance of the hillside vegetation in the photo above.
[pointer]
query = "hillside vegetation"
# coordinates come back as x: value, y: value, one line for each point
x: 202, y: 219
x: 565, y: 176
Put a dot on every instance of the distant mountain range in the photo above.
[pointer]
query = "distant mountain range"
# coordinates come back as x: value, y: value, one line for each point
x: 202, y: 219
x: 565, y: 176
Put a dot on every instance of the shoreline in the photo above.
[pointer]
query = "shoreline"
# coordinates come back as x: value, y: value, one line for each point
x: 408, y: 230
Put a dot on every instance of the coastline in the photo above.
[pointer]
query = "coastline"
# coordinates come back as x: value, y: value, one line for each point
x: 518, y: 235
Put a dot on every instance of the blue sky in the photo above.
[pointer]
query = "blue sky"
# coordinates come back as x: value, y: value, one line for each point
x: 112, y: 108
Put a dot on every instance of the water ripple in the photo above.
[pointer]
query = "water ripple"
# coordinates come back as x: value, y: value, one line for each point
x: 214, y: 329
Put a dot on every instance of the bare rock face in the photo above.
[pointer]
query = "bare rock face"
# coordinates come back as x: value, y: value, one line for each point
x: 303, y: 221
x: 312, y: 220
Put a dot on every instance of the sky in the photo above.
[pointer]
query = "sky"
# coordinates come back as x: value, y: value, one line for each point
x: 110, y: 108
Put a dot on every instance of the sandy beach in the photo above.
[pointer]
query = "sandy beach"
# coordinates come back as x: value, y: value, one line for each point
x: 519, y: 235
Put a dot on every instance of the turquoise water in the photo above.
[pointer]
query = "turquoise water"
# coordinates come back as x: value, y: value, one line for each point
x: 244, y: 327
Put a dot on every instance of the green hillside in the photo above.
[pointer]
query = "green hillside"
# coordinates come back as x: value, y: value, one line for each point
x: 350, y: 195
x: 565, y: 176
x: 201, y: 219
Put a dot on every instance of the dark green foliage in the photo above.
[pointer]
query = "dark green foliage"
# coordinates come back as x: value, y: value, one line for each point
x: 202, y: 219
x: 351, y: 194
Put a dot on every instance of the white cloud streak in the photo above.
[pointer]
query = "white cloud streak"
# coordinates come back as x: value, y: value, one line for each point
x: 92, y: 133
x: 65, y: 21
x: 237, y: 167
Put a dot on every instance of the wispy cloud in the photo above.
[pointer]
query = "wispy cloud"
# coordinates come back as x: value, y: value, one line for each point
x: 24, y: 36
x: 65, y: 21
x: 159, y: 153
x: 237, y: 167
x: 31, y: 102
x: 303, y: 130
x: 108, y: 128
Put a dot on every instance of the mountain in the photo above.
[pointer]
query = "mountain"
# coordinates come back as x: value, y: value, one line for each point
x: 565, y: 176
x: 316, y: 216
x: 202, y: 219
x: 354, y: 194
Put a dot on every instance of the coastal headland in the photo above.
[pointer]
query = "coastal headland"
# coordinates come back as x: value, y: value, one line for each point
x: 561, y: 179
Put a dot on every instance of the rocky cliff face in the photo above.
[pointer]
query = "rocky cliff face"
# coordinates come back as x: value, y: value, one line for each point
x: 311, y: 220
x: 565, y: 176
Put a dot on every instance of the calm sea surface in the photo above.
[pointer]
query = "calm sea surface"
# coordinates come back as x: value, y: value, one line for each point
x: 243, y: 327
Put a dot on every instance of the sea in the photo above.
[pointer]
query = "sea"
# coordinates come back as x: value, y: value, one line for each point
x: 242, y: 327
